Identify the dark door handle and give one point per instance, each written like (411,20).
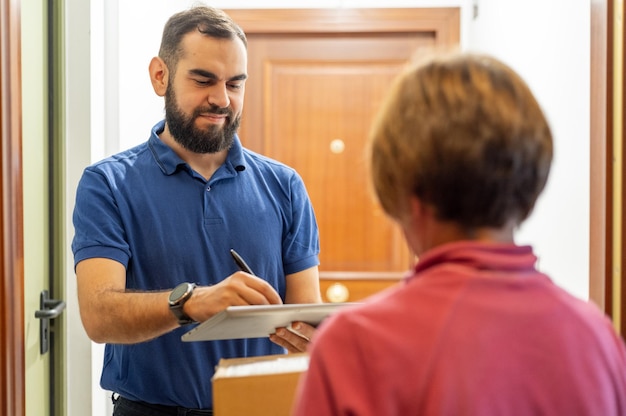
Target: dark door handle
(53,308)
(49,309)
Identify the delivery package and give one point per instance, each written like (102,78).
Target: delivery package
(259,386)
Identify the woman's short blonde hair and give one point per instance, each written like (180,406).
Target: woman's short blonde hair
(463,133)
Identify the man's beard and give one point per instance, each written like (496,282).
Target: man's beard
(212,140)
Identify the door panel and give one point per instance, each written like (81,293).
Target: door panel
(318,112)
(35,94)
(313,90)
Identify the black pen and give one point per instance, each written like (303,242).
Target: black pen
(241,262)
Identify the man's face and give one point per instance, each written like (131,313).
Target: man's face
(204,97)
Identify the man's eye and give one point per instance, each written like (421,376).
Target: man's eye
(235,86)
(204,82)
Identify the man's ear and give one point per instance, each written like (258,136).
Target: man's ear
(159,75)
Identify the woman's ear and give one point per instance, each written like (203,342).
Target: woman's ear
(416,224)
(159,75)
(418,210)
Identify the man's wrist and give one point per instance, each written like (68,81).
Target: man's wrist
(177,299)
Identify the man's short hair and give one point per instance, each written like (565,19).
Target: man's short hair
(209,21)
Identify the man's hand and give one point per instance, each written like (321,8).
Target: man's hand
(295,338)
(238,289)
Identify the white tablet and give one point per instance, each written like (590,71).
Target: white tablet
(256,321)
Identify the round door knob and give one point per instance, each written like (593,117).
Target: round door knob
(337,292)
(337,146)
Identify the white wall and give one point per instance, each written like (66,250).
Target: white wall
(547,42)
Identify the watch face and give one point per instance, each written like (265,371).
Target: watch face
(179,291)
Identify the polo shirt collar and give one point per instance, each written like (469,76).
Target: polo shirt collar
(169,161)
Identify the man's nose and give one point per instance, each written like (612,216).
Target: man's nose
(218,96)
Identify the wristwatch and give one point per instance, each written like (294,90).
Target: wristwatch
(178,297)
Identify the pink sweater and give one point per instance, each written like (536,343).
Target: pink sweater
(476,330)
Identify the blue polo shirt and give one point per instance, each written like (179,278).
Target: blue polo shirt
(147,209)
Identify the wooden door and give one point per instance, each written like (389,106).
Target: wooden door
(12,367)
(316,79)
(607,275)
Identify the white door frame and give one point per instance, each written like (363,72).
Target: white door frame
(77,155)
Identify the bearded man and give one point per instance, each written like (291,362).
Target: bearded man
(154,226)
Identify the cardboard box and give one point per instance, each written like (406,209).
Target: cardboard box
(259,386)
